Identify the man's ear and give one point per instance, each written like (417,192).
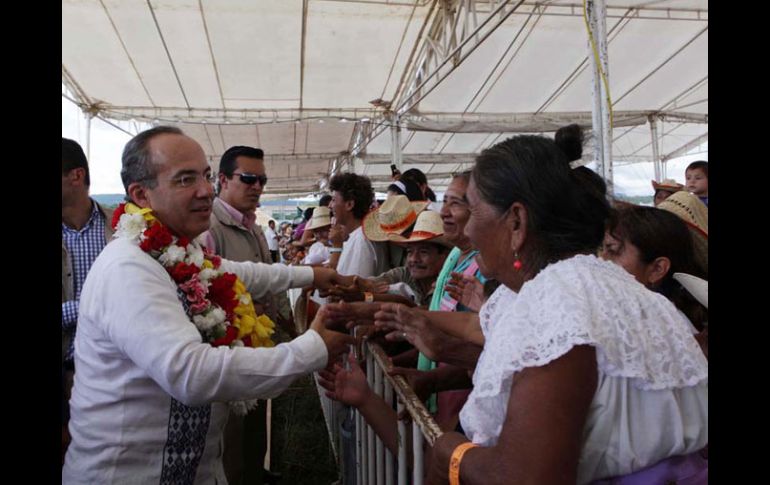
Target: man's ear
(222,180)
(77,176)
(139,194)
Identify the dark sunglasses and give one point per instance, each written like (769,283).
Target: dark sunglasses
(251,179)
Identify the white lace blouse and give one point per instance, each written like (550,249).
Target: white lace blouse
(651,400)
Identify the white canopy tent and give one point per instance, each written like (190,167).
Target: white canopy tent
(328,85)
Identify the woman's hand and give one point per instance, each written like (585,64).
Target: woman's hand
(346,386)
(467,290)
(410,324)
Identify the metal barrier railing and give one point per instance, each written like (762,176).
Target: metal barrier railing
(375,464)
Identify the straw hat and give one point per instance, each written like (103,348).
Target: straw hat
(394,216)
(669,185)
(698,287)
(428,228)
(691,210)
(321,217)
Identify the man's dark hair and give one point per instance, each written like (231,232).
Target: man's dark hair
(227,164)
(137,160)
(356,188)
(699,165)
(324,201)
(72,156)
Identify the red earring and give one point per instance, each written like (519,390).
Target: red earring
(516,264)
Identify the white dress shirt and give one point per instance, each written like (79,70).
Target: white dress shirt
(149,400)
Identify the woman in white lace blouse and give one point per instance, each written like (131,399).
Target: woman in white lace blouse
(585,375)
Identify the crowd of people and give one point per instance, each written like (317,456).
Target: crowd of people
(556,335)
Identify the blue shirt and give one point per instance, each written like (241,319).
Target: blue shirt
(83,247)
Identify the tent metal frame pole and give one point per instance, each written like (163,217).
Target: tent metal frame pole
(89,116)
(395,144)
(655,149)
(602,129)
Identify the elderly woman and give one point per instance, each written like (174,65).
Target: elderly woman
(585,375)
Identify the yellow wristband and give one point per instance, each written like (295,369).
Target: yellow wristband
(368,297)
(454,461)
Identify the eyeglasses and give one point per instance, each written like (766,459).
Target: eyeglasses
(192,179)
(252,178)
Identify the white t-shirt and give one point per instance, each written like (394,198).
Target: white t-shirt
(361,257)
(317,254)
(651,400)
(272,242)
(149,400)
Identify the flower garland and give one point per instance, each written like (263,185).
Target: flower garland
(221,308)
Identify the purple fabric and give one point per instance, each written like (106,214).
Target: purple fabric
(299,231)
(690,469)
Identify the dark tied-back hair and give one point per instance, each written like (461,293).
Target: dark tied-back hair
(72,157)
(659,233)
(356,188)
(412,191)
(227,164)
(570,139)
(418,177)
(565,211)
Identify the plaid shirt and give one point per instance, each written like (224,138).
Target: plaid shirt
(83,246)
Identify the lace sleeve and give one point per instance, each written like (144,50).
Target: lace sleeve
(638,334)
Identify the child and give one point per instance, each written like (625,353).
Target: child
(697,176)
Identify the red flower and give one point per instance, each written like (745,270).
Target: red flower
(116,215)
(183,242)
(230,335)
(183,271)
(247,341)
(209,254)
(157,237)
(221,292)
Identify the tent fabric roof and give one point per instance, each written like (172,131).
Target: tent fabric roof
(298,78)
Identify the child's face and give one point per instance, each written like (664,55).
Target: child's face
(697,182)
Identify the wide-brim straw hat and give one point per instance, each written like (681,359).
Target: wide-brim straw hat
(321,217)
(669,185)
(428,228)
(394,216)
(697,287)
(694,212)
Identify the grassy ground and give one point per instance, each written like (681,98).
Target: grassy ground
(300,448)
(300,442)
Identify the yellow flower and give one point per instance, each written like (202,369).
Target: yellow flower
(131,208)
(207,264)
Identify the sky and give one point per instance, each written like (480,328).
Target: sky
(107,144)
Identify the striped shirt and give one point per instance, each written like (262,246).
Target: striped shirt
(83,247)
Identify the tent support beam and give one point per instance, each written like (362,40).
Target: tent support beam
(655,149)
(602,123)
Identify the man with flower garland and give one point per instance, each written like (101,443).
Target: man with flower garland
(235,235)
(85,230)
(164,330)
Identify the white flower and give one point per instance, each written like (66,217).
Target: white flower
(194,255)
(130,226)
(237,343)
(204,323)
(218,315)
(207,273)
(173,254)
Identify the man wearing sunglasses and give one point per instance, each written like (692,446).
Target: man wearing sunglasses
(235,235)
